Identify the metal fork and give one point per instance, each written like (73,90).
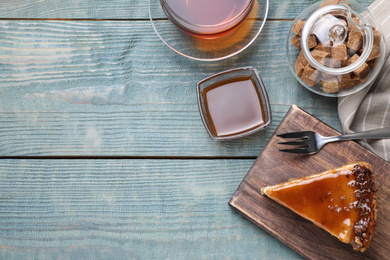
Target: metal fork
(310,142)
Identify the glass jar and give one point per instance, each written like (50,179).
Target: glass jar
(335,48)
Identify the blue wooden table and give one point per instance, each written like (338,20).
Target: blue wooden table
(102,150)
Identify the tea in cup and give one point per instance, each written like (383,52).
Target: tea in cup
(205,18)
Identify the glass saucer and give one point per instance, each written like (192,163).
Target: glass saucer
(211,48)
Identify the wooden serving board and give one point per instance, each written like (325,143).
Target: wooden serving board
(272,167)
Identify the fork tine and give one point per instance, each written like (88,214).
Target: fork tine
(294,134)
(304,142)
(296,151)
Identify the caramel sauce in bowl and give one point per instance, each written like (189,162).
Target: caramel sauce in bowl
(233,104)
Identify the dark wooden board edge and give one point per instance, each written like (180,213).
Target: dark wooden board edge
(337,247)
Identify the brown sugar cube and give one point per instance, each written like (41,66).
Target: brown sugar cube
(356,79)
(339,52)
(352,52)
(371,64)
(296,41)
(299,68)
(345,81)
(352,59)
(354,40)
(375,53)
(312,42)
(362,71)
(330,85)
(303,60)
(377,37)
(334,63)
(320,56)
(322,47)
(310,76)
(325,76)
(356,20)
(297,28)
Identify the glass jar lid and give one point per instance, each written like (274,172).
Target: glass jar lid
(343,30)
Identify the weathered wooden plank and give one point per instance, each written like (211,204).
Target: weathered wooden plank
(133,209)
(113,88)
(168,131)
(121,9)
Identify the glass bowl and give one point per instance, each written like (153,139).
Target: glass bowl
(335,50)
(233,104)
(182,36)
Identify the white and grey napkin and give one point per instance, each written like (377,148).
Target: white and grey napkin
(370,108)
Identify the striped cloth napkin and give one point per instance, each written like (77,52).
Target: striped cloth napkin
(370,108)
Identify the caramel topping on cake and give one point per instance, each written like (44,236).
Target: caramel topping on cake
(342,201)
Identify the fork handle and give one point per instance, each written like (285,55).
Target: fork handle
(381,133)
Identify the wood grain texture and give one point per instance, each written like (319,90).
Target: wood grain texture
(127,209)
(112,88)
(120,9)
(272,167)
(103,86)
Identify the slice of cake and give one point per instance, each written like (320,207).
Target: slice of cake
(342,201)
